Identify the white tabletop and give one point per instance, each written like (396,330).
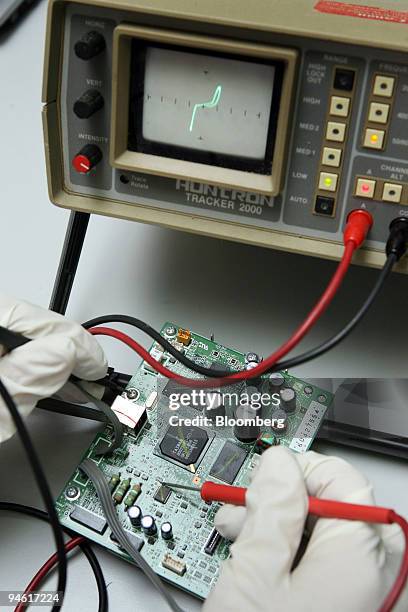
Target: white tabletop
(250,298)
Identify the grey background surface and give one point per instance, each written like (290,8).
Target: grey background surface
(250,298)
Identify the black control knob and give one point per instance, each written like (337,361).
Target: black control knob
(87,158)
(89,103)
(90,45)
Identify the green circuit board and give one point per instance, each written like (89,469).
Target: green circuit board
(151,454)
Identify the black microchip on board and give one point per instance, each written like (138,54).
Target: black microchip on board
(162,494)
(135,540)
(228,462)
(174,387)
(88,519)
(184,444)
(220,367)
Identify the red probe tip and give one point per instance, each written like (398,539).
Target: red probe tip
(358,225)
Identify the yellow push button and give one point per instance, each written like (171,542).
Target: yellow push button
(384,86)
(365,188)
(374,139)
(328,181)
(392,192)
(339,106)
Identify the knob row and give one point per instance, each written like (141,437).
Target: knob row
(89,46)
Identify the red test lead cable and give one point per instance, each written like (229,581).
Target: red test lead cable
(43,572)
(324,508)
(358,224)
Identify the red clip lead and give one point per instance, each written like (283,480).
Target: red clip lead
(359,223)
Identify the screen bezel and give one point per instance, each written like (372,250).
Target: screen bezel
(146,163)
(137,142)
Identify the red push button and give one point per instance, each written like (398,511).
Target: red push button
(87,158)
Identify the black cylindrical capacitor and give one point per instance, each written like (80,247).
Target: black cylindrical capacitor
(135,515)
(257,380)
(251,390)
(276,381)
(166,531)
(279,421)
(254,399)
(214,405)
(248,431)
(252,357)
(288,399)
(149,525)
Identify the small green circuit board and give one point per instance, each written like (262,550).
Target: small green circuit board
(191,558)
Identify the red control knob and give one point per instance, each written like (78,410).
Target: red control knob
(87,158)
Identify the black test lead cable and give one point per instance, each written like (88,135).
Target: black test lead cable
(44,488)
(85,546)
(341,335)
(395,249)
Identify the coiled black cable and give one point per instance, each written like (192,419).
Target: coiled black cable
(85,547)
(44,488)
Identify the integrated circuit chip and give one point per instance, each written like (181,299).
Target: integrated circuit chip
(219,367)
(228,462)
(137,542)
(88,519)
(173,387)
(184,444)
(162,494)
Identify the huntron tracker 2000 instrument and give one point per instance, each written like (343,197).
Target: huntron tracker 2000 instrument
(251,121)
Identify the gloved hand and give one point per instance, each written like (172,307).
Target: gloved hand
(41,367)
(347,565)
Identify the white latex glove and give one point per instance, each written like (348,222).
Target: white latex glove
(347,565)
(41,367)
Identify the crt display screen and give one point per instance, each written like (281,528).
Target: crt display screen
(203,107)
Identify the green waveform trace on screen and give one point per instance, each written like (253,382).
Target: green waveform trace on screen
(210,104)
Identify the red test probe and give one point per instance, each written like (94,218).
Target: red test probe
(323,508)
